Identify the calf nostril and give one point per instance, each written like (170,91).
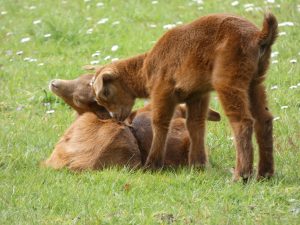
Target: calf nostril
(53,84)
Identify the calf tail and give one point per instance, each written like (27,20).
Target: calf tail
(266,38)
(269,31)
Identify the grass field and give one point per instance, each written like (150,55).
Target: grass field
(42,40)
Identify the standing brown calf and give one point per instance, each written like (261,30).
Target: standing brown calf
(218,52)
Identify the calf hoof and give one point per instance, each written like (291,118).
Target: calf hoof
(198,162)
(153,164)
(264,176)
(241,176)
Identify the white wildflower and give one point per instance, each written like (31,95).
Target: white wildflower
(100,4)
(248,5)
(274,61)
(154,2)
(50,111)
(94,62)
(19,108)
(97,53)
(270,1)
(26,39)
(35,22)
(3,13)
(27,59)
(169,26)
(198,1)
(258,9)
(274,54)
(179,22)
(249,9)
(293,87)
(274,87)
(152,25)
(47,35)
(33,7)
(276,118)
(32,60)
(293,61)
(89,31)
(116,23)
(102,21)
(19,53)
(114,48)
(286,24)
(282,33)
(114,59)
(40,64)
(284,107)
(107,57)
(235,3)
(88,18)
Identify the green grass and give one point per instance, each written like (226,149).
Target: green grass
(30,195)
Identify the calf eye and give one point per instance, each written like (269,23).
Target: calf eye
(106,92)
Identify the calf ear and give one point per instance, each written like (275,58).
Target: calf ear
(131,117)
(213,115)
(101,85)
(91,67)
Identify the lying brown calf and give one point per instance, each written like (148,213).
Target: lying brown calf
(178,141)
(90,142)
(220,52)
(79,95)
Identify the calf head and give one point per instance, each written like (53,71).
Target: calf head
(79,94)
(112,93)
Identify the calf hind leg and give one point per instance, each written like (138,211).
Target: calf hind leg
(263,131)
(235,103)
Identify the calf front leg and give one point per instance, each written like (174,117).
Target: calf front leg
(196,117)
(163,106)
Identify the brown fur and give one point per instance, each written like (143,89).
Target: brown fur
(87,144)
(92,143)
(218,52)
(79,94)
(178,142)
(179,112)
